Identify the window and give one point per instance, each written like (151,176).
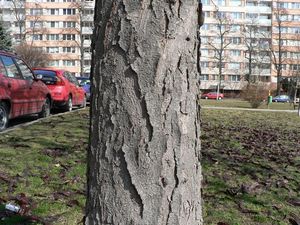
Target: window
(87,50)
(68,62)
(11,68)
(53,11)
(88,12)
(235,3)
(87,24)
(204,64)
(87,62)
(205,27)
(234,78)
(204,77)
(26,72)
(206,2)
(52,37)
(54,63)
(236,15)
(220,2)
(37,37)
(69,11)
(68,37)
(68,49)
(235,28)
(2,69)
(19,23)
(251,3)
(36,12)
(53,24)
(36,24)
(295,67)
(251,15)
(235,53)
(52,50)
(236,40)
(234,66)
(69,24)
(87,37)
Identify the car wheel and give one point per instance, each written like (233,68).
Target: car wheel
(69,105)
(206,97)
(46,109)
(3,116)
(220,98)
(83,105)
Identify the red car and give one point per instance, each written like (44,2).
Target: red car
(21,93)
(64,88)
(212,95)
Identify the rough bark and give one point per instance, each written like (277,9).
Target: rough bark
(143,157)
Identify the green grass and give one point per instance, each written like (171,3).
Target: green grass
(250,166)
(46,162)
(236,103)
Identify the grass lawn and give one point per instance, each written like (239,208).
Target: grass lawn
(236,103)
(250,165)
(43,168)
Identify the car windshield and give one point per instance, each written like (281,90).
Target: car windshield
(83,81)
(45,73)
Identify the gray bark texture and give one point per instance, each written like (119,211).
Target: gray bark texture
(144,151)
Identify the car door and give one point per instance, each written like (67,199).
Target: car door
(17,87)
(79,90)
(72,87)
(35,96)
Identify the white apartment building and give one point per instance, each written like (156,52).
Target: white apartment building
(62,28)
(267,43)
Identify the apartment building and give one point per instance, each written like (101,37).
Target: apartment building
(62,28)
(251,42)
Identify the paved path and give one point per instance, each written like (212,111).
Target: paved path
(249,109)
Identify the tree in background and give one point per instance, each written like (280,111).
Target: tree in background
(34,56)
(18,8)
(220,42)
(257,53)
(278,49)
(144,149)
(82,18)
(5,39)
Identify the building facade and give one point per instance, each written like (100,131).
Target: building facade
(258,41)
(62,28)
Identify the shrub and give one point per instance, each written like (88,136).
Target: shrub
(255,93)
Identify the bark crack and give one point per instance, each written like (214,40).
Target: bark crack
(129,183)
(167,22)
(175,186)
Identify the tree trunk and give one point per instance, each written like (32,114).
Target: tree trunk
(143,157)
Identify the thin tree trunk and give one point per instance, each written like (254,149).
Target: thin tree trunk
(143,157)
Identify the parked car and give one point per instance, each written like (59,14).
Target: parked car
(21,92)
(281,98)
(64,88)
(86,85)
(212,95)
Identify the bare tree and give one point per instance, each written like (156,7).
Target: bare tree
(278,48)
(81,6)
(143,157)
(18,8)
(257,54)
(220,42)
(34,56)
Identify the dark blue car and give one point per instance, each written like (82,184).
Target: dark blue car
(281,98)
(85,83)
